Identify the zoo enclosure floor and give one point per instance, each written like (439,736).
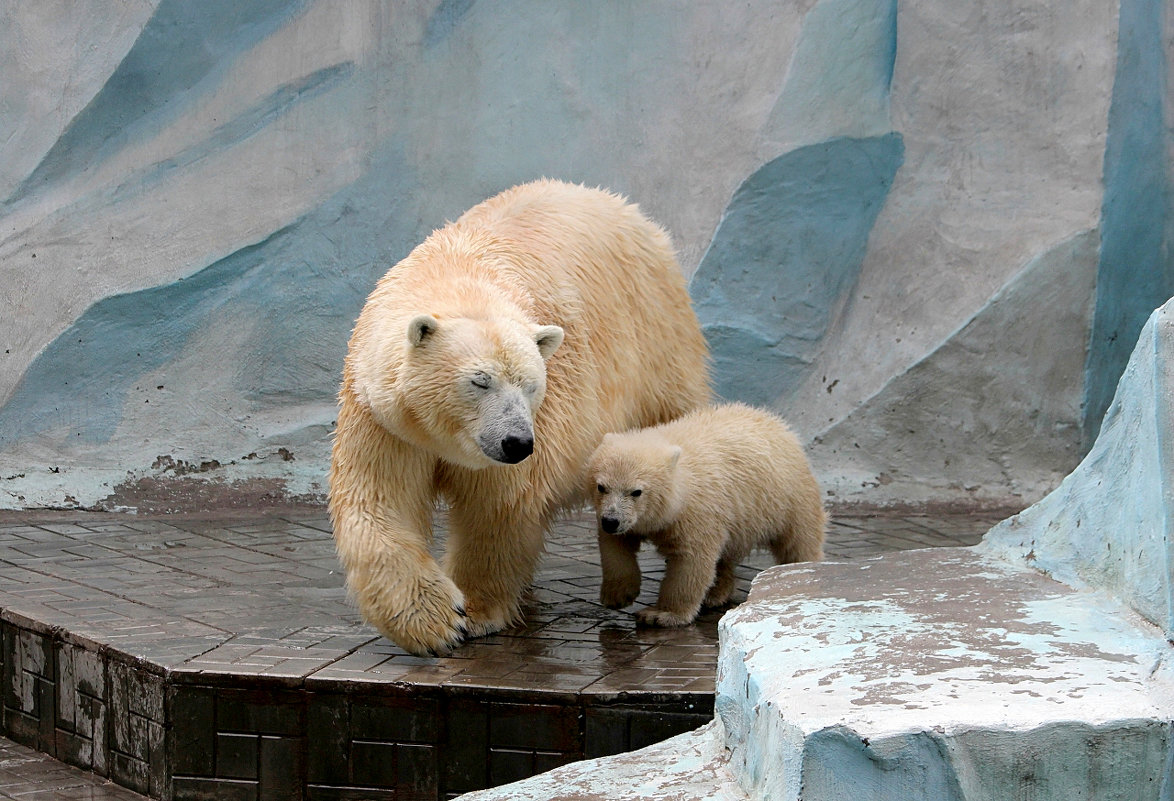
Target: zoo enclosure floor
(217,656)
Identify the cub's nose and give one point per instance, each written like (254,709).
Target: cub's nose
(609,524)
(514,448)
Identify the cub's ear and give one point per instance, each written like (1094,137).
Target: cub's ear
(547,338)
(674,456)
(420,328)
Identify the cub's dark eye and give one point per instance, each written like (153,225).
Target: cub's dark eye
(636,493)
(602,489)
(480,380)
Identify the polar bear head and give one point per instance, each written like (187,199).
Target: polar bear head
(463,388)
(633,482)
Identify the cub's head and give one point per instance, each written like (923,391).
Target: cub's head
(465,389)
(631,480)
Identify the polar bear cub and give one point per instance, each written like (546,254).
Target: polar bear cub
(706,489)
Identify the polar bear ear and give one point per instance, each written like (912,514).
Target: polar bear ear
(421,327)
(547,338)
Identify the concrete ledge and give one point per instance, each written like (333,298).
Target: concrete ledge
(942,675)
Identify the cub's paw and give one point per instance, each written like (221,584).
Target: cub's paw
(652,616)
(717,597)
(616,594)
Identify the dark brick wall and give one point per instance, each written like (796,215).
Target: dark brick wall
(85,708)
(29,698)
(404,745)
(82,709)
(250,738)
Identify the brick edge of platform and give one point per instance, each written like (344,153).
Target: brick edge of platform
(176,735)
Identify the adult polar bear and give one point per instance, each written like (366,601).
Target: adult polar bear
(483,370)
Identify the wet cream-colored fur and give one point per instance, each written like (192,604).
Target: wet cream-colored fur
(705,490)
(550,311)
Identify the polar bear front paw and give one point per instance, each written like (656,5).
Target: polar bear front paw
(433,622)
(718,596)
(659,617)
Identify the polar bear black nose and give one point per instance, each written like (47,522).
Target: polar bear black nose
(609,524)
(514,449)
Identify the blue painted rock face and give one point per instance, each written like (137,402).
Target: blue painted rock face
(1136,270)
(785,256)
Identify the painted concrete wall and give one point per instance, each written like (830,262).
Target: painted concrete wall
(927,233)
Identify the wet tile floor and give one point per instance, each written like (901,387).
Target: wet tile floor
(30,775)
(260,594)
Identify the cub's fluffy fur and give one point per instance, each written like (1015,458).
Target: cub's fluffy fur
(706,489)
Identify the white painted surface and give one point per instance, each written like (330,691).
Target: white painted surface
(852,658)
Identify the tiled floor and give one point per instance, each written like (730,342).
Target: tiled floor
(181,614)
(28,775)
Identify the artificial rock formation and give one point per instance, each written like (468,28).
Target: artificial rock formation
(887,210)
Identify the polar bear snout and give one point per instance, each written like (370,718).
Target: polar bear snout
(510,446)
(610,525)
(515,448)
(508,436)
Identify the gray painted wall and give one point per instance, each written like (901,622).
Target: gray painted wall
(927,233)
